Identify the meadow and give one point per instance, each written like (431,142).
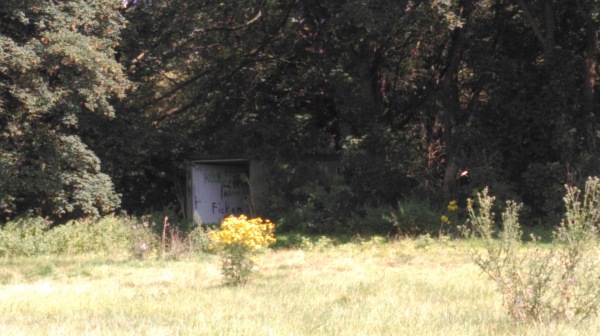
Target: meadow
(410,286)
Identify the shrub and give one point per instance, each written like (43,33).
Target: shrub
(24,237)
(162,234)
(415,218)
(139,237)
(368,220)
(143,241)
(199,240)
(424,241)
(237,241)
(542,190)
(311,243)
(109,234)
(316,209)
(542,284)
(36,236)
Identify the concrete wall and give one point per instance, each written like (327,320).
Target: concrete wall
(216,188)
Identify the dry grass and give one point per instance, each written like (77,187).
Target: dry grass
(351,289)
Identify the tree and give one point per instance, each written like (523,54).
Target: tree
(57,63)
(203,76)
(408,93)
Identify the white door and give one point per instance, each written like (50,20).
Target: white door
(219,191)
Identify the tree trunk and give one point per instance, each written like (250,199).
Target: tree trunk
(548,42)
(547,38)
(589,70)
(452,112)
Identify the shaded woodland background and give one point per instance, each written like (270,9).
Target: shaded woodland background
(101,103)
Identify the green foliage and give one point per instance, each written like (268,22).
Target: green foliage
(318,209)
(490,176)
(375,167)
(560,282)
(109,235)
(424,241)
(320,243)
(543,190)
(199,240)
(57,62)
(407,93)
(24,237)
(35,236)
(162,234)
(143,241)
(413,217)
(372,220)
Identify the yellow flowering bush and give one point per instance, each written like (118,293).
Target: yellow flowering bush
(238,240)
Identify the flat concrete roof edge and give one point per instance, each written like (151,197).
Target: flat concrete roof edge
(218,160)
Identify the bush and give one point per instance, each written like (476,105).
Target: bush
(109,235)
(24,237)
(238,240)
(542,284)
(199,240)
(542,190)
(368,220)
(140,237)
(415,218)
(143,241)
(316,209)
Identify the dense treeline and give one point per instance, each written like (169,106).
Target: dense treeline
(101,101)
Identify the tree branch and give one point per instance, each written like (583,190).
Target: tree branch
(238,27)
(531,21)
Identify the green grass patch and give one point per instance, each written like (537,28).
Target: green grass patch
(365,287)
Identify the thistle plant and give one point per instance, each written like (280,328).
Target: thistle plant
(238,242)
(579,257)
(560,282)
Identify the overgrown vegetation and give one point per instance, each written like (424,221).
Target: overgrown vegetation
(111,235)
(542,283)
(414,218)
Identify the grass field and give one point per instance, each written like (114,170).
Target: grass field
(405,287)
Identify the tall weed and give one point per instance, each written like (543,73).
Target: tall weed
(559,282)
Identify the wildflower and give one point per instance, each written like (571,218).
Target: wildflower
(445,219)
(452,206)
(239,238)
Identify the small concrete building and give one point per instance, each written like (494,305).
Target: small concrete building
(223,185)
(219,186)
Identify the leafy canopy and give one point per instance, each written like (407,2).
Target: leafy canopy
(57,62)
